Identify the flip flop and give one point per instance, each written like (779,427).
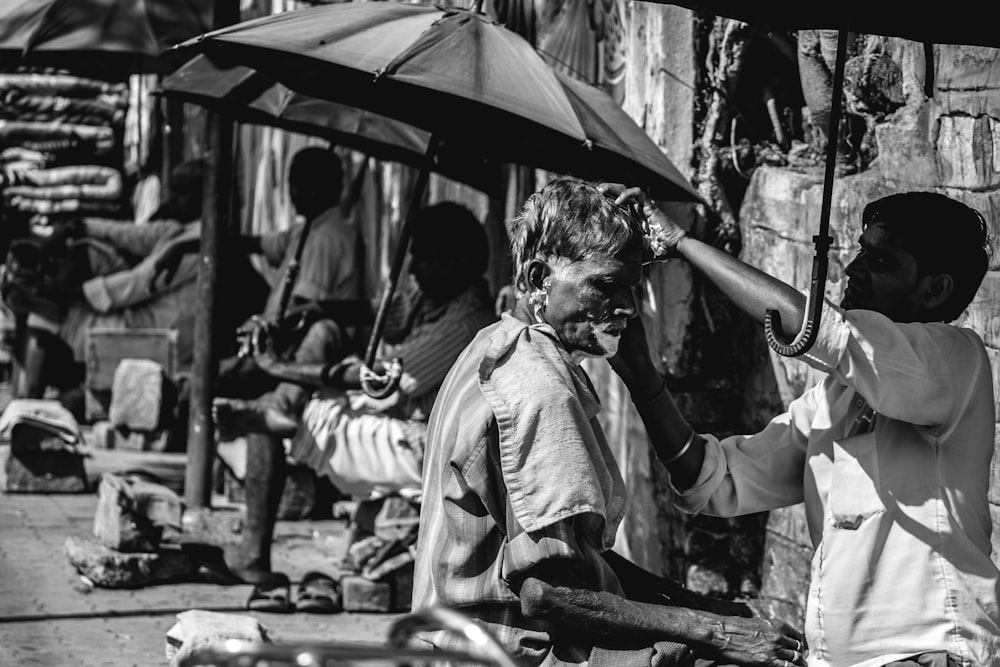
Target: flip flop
(318,594)
(272,596)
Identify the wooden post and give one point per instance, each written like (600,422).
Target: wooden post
(215,222)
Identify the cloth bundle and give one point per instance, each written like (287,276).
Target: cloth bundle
(52,127)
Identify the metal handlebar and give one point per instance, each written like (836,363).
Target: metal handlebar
(484,645)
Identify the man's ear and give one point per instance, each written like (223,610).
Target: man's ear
(538,271)
(938,291)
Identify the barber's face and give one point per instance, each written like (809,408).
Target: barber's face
(884,278)
(590,302)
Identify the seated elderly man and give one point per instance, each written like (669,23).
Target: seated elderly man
(108,276)
(522,494)
(373,448)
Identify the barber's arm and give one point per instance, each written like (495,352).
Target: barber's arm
(752,290)
(546,593)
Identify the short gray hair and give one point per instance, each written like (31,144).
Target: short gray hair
(572,220)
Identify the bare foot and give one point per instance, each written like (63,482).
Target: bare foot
(235,417)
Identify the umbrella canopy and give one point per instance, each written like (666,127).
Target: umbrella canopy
(458,74)
(956,23)
(130,29)
(250,97)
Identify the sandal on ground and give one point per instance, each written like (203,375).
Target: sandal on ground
(272,595)
(318,594)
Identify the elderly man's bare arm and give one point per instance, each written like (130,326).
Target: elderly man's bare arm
(546,594)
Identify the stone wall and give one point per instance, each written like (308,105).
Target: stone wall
(948,144)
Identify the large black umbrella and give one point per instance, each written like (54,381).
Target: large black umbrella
(250,97)
(134,31)
(460,75)
(955,24)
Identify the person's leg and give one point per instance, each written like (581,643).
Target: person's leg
(324,343)
(263,483)
(277,412)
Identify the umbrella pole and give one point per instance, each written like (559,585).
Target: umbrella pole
(814,303)
(381,386)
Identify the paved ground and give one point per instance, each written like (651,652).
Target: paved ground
(49,617)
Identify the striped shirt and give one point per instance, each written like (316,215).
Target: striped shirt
(472,541)
(374,446)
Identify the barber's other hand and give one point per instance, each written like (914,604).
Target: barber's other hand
(662,233)
(633,363)
(756,642)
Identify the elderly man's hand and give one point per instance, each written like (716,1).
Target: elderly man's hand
(662,233)
(756,642)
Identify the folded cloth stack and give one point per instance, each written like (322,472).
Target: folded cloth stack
(59,132)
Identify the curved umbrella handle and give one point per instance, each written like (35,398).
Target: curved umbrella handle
(814,308)
(441,618)
(381,386)
(804,340)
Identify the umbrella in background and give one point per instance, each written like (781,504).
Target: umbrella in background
(137,30)
(460,75)
(249,97)
(895,18)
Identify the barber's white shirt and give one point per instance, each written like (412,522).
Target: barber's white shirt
(899,516)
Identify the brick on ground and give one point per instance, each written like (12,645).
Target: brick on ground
(141,395)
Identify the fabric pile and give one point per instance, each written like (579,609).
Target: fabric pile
(60,144)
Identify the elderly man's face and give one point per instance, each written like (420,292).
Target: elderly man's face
(590,302)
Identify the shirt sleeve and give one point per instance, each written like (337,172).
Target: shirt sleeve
(746,474)
(274,244)
(327,267)
(918,373)
(136,240)
(430,351)
(524,550)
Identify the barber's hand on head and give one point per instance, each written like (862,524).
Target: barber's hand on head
(756,642)
(662,233)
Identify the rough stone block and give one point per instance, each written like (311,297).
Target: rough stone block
(112,569)
(197,629)
(141,395)
(705,581)
(217,526)
(968,148)
(362,594)
(47,471)
(118,523)
(906,152)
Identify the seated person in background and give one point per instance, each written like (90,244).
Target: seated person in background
(109,279)
(522,496)
(374,448)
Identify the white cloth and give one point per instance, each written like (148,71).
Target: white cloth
(899,516)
